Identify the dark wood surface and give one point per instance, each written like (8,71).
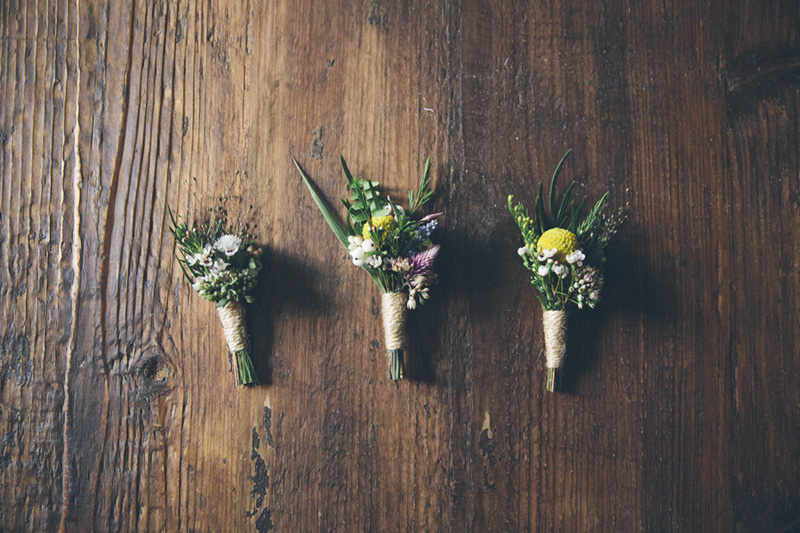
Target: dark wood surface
(681,405)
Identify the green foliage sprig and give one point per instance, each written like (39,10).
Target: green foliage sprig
(573,274)
(398,236)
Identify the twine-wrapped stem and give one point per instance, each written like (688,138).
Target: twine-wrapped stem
(555,345)
(393,310)
(234,326)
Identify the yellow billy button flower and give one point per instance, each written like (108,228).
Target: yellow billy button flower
(563,241)
(386,223)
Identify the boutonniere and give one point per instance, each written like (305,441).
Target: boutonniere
(393,245)
(565,251)
(222,266)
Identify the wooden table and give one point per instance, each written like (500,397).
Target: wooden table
(681,403)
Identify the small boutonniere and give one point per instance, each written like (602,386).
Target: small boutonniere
(393,245)
(223,267)
(565,251)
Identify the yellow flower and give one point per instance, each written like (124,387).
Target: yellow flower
(563,241)
(386,223)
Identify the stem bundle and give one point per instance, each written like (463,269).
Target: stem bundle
(232,315)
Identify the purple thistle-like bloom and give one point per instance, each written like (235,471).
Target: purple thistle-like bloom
(422,262)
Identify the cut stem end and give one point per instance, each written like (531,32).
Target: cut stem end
(553,381)
(396,369)
(244,371)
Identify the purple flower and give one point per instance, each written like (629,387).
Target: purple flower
(422,262)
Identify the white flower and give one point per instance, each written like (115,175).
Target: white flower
(358,254)
(547,254)
(375,261)
(358,262)
(203,258)
(219,266)
(199,280)
(593,295)
(559,270)
(412,303)
(369,245)
(543,270)
(576,257)
(522,252)
(193,259)
(228,244)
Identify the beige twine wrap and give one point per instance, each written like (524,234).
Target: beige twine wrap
(234,326)
(555,337)
(393,309)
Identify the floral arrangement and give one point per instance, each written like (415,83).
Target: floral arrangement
(392,245)
(222,267)
(566,254)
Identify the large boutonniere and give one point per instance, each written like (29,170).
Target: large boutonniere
(223,267)
(393,245)
(565,251)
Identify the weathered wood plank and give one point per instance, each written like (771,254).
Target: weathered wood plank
(117,408)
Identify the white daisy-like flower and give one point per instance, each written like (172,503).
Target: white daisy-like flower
(193,259)
(576,257)
(559,269)
(369,245)
(543,270)
(228,244)
(206,260)
(375,261)
(219,265)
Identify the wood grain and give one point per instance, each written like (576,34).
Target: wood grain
(680,408)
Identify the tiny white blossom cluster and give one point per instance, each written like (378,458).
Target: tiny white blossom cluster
(548,263)
(581,283)
(586,285)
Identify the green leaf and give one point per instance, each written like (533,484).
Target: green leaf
(423,194)
(371,194)
(553,183)
(346,170)
(222,303)
(330,218)
(562,210)
(576,214)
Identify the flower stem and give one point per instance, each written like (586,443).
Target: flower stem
(244,371)
(396,369)
(553,381)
